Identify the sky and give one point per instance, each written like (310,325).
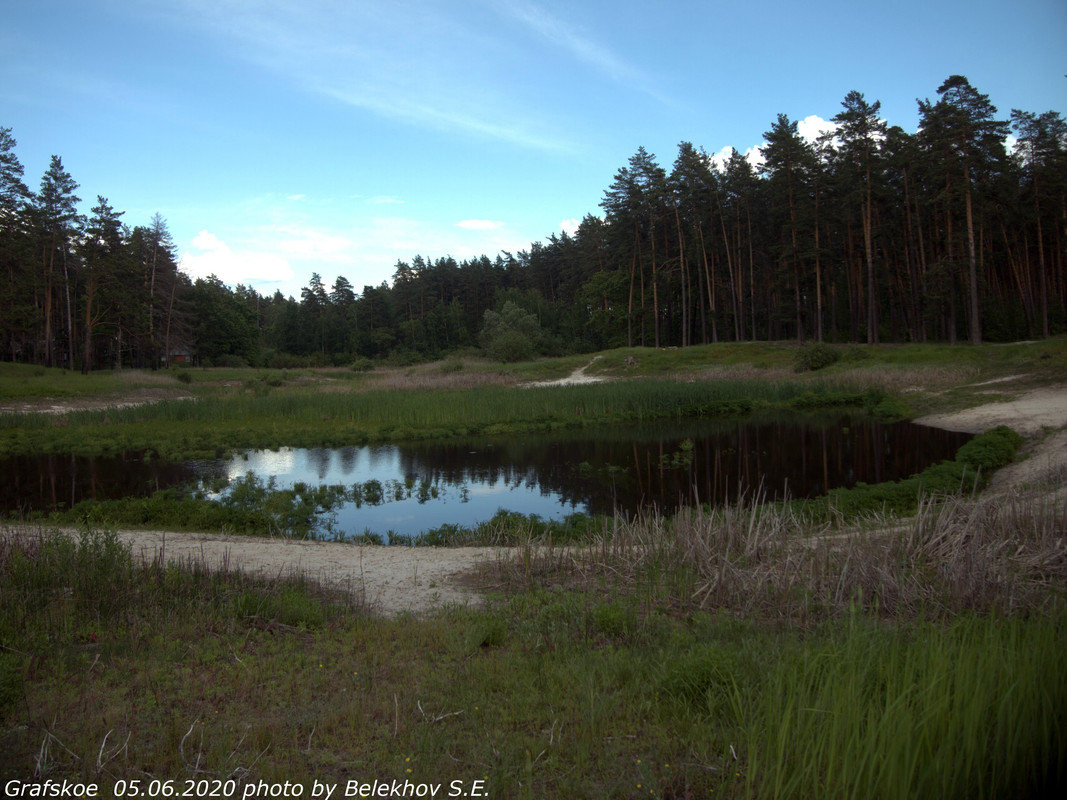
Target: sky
(278,138)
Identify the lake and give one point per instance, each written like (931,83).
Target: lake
(411,487)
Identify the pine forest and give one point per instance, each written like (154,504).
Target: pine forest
(869,234)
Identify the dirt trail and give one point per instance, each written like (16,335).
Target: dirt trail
(576,378)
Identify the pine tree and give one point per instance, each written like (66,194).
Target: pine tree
(962,131)
(56,211)
(861,132)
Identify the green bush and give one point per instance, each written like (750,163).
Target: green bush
(510,335)
(992,450)
(891,409)
(510,346)
(361,364)
(812,357)
(971,469)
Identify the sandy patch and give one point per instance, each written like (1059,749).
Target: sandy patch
(387,578)
(1041,416)
(576,378)
(48,405)
(1030,414)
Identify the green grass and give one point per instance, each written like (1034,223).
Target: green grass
(237,409)
(302,418)
(970,709)
(113,670)
(28,382)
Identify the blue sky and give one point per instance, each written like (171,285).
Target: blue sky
(284,137)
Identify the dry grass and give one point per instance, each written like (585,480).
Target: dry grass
(1002,554)
(740,372)
(906,379)
(440,375)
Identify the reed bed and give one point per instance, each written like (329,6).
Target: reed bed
(259,419)
(974,709)
(761,560)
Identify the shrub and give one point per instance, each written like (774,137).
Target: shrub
(512,334)
(362,364)
(814,357)
(991,450)
(510,346)
(891,409)
(184,376)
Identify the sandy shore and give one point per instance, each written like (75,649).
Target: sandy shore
(1040,415)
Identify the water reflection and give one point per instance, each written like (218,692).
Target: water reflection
(41,483)
(424,485)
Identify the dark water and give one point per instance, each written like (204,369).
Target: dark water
(424,485)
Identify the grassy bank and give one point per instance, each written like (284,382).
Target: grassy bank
(112,670)
(302,418)
(224,410)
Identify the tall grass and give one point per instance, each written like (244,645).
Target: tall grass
(296,418)
(971,710)
(955,555)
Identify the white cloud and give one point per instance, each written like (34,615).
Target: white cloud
(295,197)
(813,126)
(570,226)
(232,267)
(753,155)
(399,63)
(479,224)
(385,200)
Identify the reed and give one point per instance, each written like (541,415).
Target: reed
(221,423)
(761,560)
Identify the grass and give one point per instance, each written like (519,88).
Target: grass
(116,670)
(301,418)
(242,409)
(921,710)
(750,651)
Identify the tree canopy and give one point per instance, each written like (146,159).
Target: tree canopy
(868,233)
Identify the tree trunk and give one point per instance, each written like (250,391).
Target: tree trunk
(975,325)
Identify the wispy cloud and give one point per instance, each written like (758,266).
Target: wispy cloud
(423,63)
(581,46)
